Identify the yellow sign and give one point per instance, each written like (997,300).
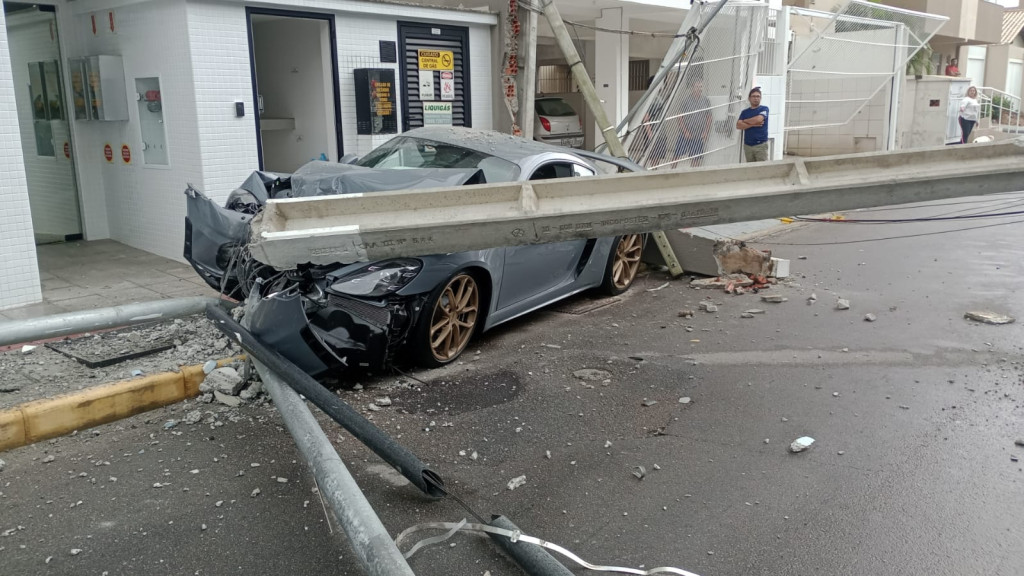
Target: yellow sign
(436,59)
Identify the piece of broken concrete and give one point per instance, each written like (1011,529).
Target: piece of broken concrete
(987,317)
(648,403)
(384,401)
(516,482)
(224,380)
(746,315)
(800,444)
(842,304)
(639,472)
(735,257)
(684,400)
(592,374)
(774,298)
(869,317)
(28,348)
(227,399)
(686,313)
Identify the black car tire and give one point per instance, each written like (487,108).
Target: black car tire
(623,263)
(448,321)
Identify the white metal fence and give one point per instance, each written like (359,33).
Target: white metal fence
(841,60)
(689,119)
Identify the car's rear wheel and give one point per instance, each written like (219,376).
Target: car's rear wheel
(623,264)
(449,321)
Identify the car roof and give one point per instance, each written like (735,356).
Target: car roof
(505,146)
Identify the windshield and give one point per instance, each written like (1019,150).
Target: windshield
(554,107)
(405,152)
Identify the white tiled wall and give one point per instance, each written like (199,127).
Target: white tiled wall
(200,51)
(145,206)
(52,192)
(219,46)
(19,273)
(358,47)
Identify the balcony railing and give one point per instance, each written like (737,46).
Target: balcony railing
(1002,108)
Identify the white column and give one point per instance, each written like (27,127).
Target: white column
(19,270)
(611,64)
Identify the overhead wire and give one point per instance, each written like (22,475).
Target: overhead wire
(529,6)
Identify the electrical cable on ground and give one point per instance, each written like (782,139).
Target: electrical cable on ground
(908,220)
(840,242)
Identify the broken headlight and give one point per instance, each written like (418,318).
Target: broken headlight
(378,279)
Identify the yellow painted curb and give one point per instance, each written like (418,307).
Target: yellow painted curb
(43,419)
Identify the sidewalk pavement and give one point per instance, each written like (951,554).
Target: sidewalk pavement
(102,273)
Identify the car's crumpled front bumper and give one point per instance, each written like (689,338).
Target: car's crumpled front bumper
(333,332)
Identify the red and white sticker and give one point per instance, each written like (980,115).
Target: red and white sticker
(108,152)
(67,149)
(447,85)
(126,154)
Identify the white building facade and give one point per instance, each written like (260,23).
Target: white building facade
(99,148)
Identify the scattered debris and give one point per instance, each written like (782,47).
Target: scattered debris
(648,403)
(686,313)
(209,366)
(722,282)
(746,315)
(373,407)
(755,311)
(592,374)
(516,482)
(170,424)
(774,298)
(48,459)
(904,406)
(1018,442)
(1014,458)
(607,443)
(255,493)
(662,287)
(812,298)
(639,472)
(76,551)
(2,464)
(801,257)
(869,317)
(842,304)
(989,317)
(684,400)
(801,444)
(385,401)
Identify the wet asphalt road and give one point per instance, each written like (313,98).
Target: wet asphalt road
(914,416)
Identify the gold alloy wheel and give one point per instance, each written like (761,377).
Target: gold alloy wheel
(627,260)
(454,317)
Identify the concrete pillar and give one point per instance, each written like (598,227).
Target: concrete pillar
(19,270)
(611,63)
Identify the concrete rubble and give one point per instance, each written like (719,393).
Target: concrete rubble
(516,482)
(987,317)
(801,444)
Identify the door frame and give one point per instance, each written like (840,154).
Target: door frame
(335,79)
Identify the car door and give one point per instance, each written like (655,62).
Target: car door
(538,273)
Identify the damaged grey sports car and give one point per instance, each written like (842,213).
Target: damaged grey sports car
(425,309)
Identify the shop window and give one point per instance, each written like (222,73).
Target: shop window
(45,93)
(151,121)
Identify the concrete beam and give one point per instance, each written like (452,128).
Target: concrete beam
(368,227)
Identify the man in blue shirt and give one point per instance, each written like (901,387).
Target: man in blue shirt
(754,123)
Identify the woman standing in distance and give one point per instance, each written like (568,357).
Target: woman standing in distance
(970,110)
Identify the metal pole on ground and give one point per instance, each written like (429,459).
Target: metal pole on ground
(377,553)
(18,331)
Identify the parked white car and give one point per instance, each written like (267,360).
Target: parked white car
(555,122)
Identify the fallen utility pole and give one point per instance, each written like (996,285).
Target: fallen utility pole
(404,461)
(369,227)
(19,331)
(608,131)
(373,546)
